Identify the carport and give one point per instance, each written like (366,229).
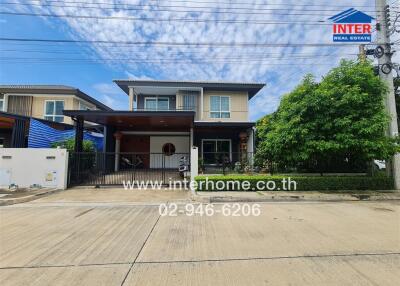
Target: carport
(140,145)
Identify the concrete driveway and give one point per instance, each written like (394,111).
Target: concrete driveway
(59,240)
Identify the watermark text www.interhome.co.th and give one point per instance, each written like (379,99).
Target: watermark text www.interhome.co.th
(286,184)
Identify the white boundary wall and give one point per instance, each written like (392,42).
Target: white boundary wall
(25,167)
(194,162)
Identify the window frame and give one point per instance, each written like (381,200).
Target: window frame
(53,116)
(191,97)
(216,146)
(83,104)
(220,111)
(3,100)
(170,152)
(157,98)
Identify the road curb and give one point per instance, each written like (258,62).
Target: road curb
(13,201)
(294,198)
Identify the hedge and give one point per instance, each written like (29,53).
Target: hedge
(303,183)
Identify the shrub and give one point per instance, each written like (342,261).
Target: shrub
(303,183)
(69,144)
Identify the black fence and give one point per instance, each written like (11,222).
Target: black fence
(227,162)
(108,168)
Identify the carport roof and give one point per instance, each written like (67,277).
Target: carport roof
(137,120)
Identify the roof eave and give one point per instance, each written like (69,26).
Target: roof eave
(251,88)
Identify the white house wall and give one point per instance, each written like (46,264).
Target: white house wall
(181,144)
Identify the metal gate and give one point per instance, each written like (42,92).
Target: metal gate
(109,168)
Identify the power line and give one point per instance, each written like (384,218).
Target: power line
(253,7)
(211,2)
(184,11)
(272,11)
(187,20)
(130,46)
(165,62)
(154,43)
(211,59)
(252,55)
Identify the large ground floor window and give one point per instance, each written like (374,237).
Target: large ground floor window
(214,151)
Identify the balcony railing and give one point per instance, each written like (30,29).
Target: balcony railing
(164,109)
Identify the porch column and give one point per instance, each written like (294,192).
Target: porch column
(194,166)
(251,144)
(118,136)
(79,134)
(191,137)
(18,134)
(132,99)
(108,147)
(201,103)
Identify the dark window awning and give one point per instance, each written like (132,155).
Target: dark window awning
(223,125)
(138,120)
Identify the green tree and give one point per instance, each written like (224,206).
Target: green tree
(335,125)
(69,144)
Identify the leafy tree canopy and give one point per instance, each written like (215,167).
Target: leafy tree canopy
(340,121)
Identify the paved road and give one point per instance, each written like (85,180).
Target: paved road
(54,241)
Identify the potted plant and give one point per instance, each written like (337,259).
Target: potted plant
(201,165)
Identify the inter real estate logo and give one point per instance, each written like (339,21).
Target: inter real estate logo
(352,26)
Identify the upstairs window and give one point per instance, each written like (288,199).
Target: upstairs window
(2,105)
(83,106)
(156,103)
(220,107)
(53,110)
(189,102)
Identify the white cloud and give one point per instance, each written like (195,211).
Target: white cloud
(112,95)
(141,77)
(278,67)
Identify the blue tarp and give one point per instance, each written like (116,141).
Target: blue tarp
(42,136)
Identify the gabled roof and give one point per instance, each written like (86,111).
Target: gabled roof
(36,86)
(351,16)
(251,87)
(51,89)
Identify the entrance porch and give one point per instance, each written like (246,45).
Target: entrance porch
(224,145)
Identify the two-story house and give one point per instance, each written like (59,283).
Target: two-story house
(19,103)
(166,118)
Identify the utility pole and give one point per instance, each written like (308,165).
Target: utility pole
(383,39)
(362,56)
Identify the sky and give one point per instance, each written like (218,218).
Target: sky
(165,34)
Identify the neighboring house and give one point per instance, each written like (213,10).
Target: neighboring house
(166,118)
(46,101)
(18,103)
